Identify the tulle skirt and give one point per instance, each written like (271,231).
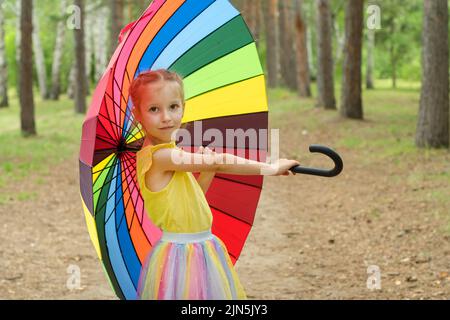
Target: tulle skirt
(189,266)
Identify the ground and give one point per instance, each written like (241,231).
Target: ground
(313,237)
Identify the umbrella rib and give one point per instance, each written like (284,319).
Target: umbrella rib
(105,139)
(132,203)
(107,181)
(236,181)
(107,166)
(112,138)
(125,131)
(134,187)
(130,198)
(114,145)
(116,137)
(230,215)
(129,118)
(116,203)
(121,197)
(134,136)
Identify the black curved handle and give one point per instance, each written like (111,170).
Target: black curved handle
(338,164)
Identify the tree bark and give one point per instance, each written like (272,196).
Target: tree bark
(325,81)
(71,82)
(3,62)
(370,58)
(303,77)
(340,39)
(257,14)
(251,10)
(100,45)
(58,53)
(117,9)
(89,41)
(80,67)
(26,69)
(433,121)
(351,102)
(39,57)
(272,56)
(393,56)
(285,43)
(18,43)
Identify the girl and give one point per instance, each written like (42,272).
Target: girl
(188,262)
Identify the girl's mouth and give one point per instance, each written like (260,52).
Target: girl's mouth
(166,128)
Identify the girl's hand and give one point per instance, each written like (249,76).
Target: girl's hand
(208,152)
(282,167)
(205,150)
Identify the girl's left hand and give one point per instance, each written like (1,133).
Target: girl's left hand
(205,150)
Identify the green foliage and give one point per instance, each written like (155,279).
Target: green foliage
(398,42)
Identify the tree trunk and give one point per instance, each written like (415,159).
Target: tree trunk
(100,46)
(351,103)
(285,42)
(58,53)
(370,58)
(252,13)
(26,69)
(3,62)
(71,82)
(340,38)
(80,68)
(18,43)
(325,81)
(272,60)
(88,41)
(247,13)
(303,79)
(39,57)
(309,48)
(257,14)
(116,23)
(433,122)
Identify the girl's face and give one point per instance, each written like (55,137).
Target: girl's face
(160,111)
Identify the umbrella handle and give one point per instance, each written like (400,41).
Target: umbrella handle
(338,164)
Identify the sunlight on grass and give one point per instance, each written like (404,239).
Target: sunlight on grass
(59,132)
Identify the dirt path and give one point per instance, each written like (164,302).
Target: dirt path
(313,238)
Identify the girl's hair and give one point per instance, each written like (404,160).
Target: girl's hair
(152,76)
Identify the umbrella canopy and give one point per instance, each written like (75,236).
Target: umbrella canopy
(208,43)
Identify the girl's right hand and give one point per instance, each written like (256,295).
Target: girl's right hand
(282,167)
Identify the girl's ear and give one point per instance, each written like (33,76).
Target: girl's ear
(136,114)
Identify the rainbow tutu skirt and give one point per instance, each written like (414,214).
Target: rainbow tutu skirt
(189,266)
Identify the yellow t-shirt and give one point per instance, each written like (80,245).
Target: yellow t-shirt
(181,205)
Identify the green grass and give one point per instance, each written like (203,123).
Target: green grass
(385,136)
(58,137)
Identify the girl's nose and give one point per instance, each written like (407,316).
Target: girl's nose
(165,116)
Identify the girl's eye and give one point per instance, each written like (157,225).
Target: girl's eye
(153,109)
(174,106)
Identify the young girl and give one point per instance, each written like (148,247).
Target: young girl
(188,262)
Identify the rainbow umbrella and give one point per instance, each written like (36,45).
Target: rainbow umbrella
(208,43)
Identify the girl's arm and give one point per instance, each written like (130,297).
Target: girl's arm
(205,179)
(180,160)
(232,164)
